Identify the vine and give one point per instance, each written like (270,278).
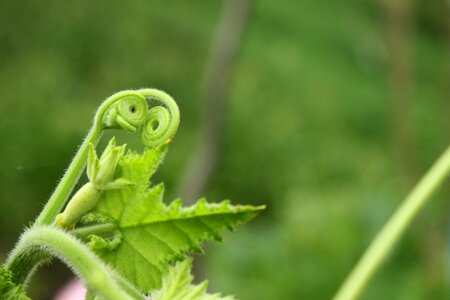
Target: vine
(117,208)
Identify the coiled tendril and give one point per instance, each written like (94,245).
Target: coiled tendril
(126,110)
(150,112)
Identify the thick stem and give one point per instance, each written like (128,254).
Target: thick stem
(391,232)
(96,275)
(70,178)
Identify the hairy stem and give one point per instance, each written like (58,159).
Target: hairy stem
(96,275)
(70,178)
(393,229)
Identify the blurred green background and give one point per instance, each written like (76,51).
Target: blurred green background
(333,110)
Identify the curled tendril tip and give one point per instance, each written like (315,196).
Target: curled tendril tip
(150,113)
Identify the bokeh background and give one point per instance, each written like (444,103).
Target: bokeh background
(327,111)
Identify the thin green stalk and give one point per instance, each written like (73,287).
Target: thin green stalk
(98,229)
(70,178)
(393,229)
(96,275)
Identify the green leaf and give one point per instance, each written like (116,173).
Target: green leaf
(8,289)
(154,234)
(177,285)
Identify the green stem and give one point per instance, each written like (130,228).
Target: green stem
(99,229)
(70,178)
(393,229)
(96,275)
(127,287)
